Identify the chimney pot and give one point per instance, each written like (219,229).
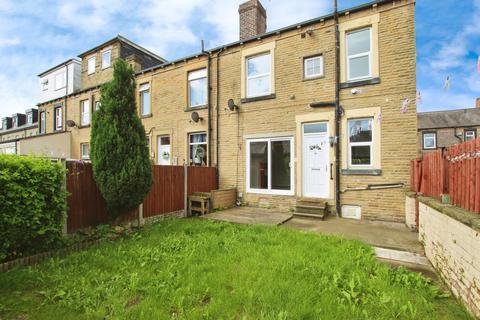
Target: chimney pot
(253,19)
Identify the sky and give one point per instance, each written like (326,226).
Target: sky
(36,35)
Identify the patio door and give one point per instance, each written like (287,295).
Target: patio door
(315,155)
(163,150)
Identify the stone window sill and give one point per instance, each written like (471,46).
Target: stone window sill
(372,81)
(260,98)
(189,109)
(146,116)
(361,172)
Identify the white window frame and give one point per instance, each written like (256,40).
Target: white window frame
(104,65)
(43,121)
(313,76)
(29,118)
(196,75)
(82,154)
(266,93)
(145,87)
(62,83)
(269,190)
(359,55)
(85,112)
(424,135)
(45,84)
(471,133)
(58,118)
(371,144)
(197,143)
(91,71)
(14,122)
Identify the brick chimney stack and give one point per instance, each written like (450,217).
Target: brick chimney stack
(477,104)
(253,19)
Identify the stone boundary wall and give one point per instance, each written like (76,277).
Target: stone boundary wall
(451,238)
(411,211)
(223,198)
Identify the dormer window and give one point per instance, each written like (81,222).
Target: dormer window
(106,59)
(45,84)
(60,81)
(29,118)
(14,122)
(91,65)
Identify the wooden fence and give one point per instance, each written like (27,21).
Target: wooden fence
(454,171)
(86,206)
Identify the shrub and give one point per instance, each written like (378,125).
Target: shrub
(32,205)
(119,150)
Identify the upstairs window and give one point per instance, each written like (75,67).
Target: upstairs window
(29,118)
(359,54)
(60,81)
(85,112)
(430,140)
(14,122)
(42,122)
(91,65)
(197,88)
(360,142)
(45,84)
(313,67)
(106,59)
(58,121)
(469,135)
(259,75)
(145,99)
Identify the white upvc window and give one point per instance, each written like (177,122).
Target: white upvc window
(58,118)
(469,135)
(313,67)
(360,143)
(91,65)
(29,118)
(14,122)
(43,122)
(359,54)
(85,112)
(197,88)
(60,81)
(430,140)
(106,59)
(270,166)
(85,151)
(258,75)
(45,84)
(198,149)
(145,99)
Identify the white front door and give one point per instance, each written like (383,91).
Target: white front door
(316,164)
(163,150)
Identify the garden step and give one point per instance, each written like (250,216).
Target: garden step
(309,215)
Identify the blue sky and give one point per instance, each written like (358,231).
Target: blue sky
(38,34)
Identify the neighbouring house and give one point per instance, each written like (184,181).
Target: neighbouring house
(15,128)
(441,129)
(263,109)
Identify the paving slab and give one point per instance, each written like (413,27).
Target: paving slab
(250,215)
(378,234)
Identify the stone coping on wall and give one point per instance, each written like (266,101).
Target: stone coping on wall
(468,218)
(411,194)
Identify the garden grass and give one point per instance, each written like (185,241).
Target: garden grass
(200,269)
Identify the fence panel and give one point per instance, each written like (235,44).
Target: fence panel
(456,171)
(201,179)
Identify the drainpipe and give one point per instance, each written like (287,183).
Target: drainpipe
(217,116)
(209,122)
(337,110)
(64,125)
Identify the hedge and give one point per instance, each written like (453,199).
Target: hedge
(32,205)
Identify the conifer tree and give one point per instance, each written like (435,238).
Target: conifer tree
(119,151)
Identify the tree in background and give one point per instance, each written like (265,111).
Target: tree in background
(119,151)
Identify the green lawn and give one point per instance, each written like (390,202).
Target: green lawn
(198,269)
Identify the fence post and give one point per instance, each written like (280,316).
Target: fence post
(141,221)
(185,193)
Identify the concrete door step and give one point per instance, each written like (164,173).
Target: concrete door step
(401,256)
(309,215)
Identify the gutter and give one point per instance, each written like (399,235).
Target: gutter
(337,110)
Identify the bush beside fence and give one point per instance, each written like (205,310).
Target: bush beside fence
(32,205)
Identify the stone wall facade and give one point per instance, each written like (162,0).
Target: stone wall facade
(453,248)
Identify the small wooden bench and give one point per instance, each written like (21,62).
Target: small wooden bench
(198,203)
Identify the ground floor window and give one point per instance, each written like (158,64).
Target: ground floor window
(197,149)
(470,135)
(430,140)
(85,151)
(360,142)
(269,165)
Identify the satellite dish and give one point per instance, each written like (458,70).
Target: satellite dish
(196,117)
(231,105)
(71,123)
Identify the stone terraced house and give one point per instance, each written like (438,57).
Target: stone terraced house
(265,110)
